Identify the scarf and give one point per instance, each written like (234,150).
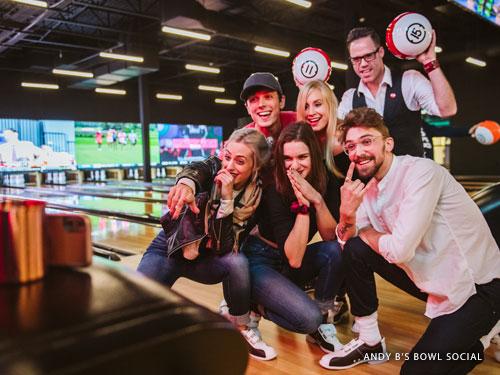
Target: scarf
(245,205)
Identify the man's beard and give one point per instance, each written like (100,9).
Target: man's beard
(371,173)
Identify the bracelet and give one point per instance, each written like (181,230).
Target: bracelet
(297,208)
(431,65)
(339,240)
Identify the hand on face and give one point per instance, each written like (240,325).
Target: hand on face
(225,181)
(178,196)
(300,184)
(352,193)
(430,53)
(300,197)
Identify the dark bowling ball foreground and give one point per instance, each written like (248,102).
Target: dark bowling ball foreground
(104,319)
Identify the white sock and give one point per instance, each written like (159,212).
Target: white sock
(486,339)
(368,329)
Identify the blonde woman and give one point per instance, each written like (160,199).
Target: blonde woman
(317,105)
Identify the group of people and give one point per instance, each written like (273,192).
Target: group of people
(377,205)
(112,136)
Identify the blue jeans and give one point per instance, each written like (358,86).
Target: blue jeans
(277,288)
(207,268)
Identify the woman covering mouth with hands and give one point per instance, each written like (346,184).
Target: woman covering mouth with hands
(301,202)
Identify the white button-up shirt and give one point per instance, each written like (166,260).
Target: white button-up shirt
(433,230)
(416,89)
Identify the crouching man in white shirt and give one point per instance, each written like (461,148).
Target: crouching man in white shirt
(410,221)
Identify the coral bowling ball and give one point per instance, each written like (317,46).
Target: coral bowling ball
(488,132)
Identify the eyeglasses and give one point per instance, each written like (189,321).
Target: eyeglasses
(368,57)
(366,142)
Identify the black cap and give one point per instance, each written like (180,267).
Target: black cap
(261,79)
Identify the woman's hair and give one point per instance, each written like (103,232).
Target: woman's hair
(299,131)
(256,142)
(330,100)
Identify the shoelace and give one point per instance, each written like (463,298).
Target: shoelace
(351,345)
(251,336)
(328,330)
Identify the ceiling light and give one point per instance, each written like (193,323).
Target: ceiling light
(361,19)
(35,85)
(337,65)
(168,96)
(118,56)
(41,4)
(438,49)
(187,33)
(200,68)
(225,101)
(102,90)
(473,61)
(302,3)
(272,51)
(104,82)
(75,73)
(211,88)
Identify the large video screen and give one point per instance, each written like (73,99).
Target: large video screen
(181,144)
(110,143)
(488,9)
(26,143)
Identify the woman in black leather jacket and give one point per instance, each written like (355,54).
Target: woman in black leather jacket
(235,191)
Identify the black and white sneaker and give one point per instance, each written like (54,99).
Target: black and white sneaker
(355,353)
(257,348)
(326,338)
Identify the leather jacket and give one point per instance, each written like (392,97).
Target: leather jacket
(221,237)
(221,234)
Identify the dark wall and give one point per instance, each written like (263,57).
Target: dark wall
(477,91)
(478,96)
(86,105)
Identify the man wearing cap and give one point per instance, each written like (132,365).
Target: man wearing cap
(264,100)
(397,96)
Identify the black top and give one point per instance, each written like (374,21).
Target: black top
(276,220)
(404,124)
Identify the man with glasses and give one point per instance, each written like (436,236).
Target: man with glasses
(397,96)
(407,219)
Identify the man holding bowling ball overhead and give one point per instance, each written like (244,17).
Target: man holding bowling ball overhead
(397,96)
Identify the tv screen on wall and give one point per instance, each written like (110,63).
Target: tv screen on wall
(28,143)
(110,143)
(181,144)
(487,9)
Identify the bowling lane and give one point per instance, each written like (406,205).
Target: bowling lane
(104,192)
(143,212)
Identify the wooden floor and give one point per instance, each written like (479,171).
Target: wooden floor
(401,322)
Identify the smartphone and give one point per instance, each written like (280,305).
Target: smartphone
(68,240)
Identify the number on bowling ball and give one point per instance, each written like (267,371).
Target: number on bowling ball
(415,33)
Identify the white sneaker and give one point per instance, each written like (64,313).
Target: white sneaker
(223,308)
(355,353)
(256,347)
(254,323)
(326,338)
